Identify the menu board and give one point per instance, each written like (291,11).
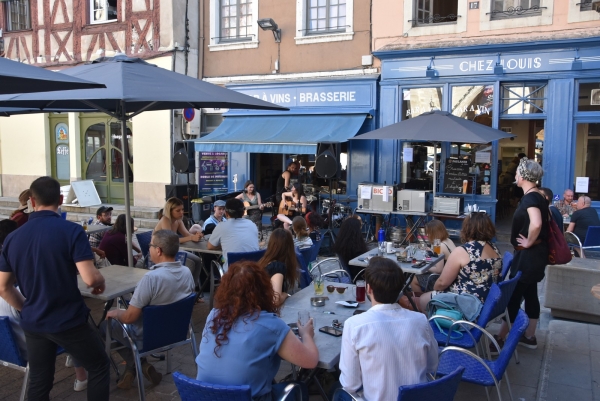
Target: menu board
(457,172)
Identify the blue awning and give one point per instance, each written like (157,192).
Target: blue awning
(292,134)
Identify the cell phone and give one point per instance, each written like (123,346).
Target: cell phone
(358,312)
(331,331)
(294,327)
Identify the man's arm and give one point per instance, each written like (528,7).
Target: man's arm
(214,242)
(91,276)
(351,376)
(129,315)
(9,292)
(212,247)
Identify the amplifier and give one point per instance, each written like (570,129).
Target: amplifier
(370,197)
(413,200)
(446,205)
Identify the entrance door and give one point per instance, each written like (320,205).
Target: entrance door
(59,145)
(103,159)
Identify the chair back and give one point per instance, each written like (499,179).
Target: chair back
(9,351)
(167,324)
(442,389)
(506,290)
(194,390)
(253,256)
(507,260)
(485,316)
(305,278)
(144,241)
(592,237)
(517,330)
(181,257)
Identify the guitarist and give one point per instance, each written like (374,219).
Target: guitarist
(284,180)
(252,198)
(297,205)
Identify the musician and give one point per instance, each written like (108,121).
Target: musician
(283,181)
(252,199)
(298,202)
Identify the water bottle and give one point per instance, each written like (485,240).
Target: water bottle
(90,221)
(381,239)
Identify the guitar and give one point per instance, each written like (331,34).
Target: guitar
(288,208)
(248,207)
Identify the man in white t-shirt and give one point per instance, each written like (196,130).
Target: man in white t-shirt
(236,234)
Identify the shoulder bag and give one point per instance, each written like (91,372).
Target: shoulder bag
(559,252)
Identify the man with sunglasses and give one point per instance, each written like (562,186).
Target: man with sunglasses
(169,282)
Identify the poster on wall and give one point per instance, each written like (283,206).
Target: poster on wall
(213,173)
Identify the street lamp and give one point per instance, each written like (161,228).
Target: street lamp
(267,24)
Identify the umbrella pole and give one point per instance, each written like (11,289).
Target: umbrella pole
(124,149)
(434,169)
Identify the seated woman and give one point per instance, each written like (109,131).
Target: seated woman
(302,239)
(21,215)
(281,264)
(244,340)
(114,243)
(473,266)
(314,222)
(350,244)
(172,219)
(434,229)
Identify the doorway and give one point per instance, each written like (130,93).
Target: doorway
(60,150)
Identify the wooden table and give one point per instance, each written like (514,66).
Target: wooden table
(596,291)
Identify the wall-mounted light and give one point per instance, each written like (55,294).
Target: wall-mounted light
(577,64)
(267,24)
(431,72)
(498,68)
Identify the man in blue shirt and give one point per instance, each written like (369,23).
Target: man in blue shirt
(217,217)
(44,257)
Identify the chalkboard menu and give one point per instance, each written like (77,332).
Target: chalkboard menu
(457,171)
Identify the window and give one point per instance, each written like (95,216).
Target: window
(435,12)
(103,11)
(503,9)
(474,103)
(235,20)
(420,100)
(589,97)
(523,98)
(589,5)
(325,16)
(17,15)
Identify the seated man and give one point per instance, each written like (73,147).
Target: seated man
(216,218)
(566,204)
(387,346)
(236,234)
(103,218)
(583,217)
(169,282)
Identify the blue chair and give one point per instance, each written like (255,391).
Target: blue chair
(181,257)
(253,256)
(591,243)
(144,241)
(331,269)
(194,390)
(305,257)
(500,310)
(481,371)
(507,260)
(165,327)
(442,389)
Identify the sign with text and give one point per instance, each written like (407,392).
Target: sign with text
(213,173)
(582,185)
(455,175)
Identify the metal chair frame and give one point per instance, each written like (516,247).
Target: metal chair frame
(214,266)
(343,272)
(574,241)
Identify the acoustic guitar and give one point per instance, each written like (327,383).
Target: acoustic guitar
(248,207)
(287,207)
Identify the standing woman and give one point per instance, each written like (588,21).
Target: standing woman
(529,237)
(172,219)
(252,198)
(284,180)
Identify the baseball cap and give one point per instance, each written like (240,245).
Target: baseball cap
(103,209)
(220,203)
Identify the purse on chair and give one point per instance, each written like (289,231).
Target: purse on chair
(440,308)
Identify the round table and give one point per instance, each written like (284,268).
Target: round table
(596,291)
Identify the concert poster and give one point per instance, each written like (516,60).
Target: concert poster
(212,173)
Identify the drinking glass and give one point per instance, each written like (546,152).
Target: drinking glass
(318,284)
(360,291)
(437,248)
(303,317)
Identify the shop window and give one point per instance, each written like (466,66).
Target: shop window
(504,9)
(117,155)
(210,122)
(17,15)
(587,162)
(420,100)
(417,165)
(435,12)
(477,171)
(326,16)
(589,5)
(95,153)
(523,98)
(103,11)
(589,97)
(474,103)
(235,20)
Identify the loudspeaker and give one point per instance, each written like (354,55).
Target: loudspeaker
(184,160)
(179,191)
(326,163)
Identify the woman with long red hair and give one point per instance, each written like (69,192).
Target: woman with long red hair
(244,340)
(280,262)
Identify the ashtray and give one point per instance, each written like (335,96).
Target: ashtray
(318,301)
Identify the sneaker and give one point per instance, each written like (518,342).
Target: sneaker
(493,350)
(151,374)
(80,386)
(127,380)
(530,343)
(69,362)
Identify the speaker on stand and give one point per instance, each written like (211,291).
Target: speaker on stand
(184,162)
(327,166)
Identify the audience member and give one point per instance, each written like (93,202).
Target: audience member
(350,244)
(21,215)
(314,222)
(244,340)
(217,217)
(584,217)
(565,205)
(44,257)
(281,263)
(435,230)
(555,213)
(236,234)
(302,239)
(473,267)
(387,346)
(103,218)
(114,242)
(169,282)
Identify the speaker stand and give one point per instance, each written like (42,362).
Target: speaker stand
(329,230)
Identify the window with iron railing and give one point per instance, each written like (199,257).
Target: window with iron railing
(325,16)
(505,9)
(523,98)
(435,12)
(589,5)
(235,21)
(17,15)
